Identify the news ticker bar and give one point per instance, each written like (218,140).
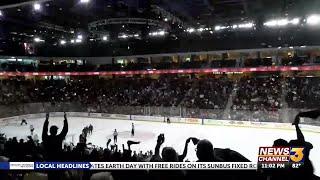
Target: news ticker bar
(170,71)
(128,165)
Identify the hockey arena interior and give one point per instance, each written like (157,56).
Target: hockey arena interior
(159,81)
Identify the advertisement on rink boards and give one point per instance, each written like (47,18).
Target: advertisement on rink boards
(192,120)
(147,118)
(128,165)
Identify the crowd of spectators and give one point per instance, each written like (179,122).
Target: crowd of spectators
(164,91)
(258,93)
(251,93)
(208,93)
(263,94)
(303,92)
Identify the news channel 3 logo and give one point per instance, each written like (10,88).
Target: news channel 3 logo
(297,154)
(281,157)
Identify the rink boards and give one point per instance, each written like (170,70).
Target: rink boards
(233,123)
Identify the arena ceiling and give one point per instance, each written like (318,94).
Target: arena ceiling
(54,20)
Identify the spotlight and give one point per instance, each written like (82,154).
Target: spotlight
(218,28)
(79,36)
(282,22)
(295,21)
(246,25)
(1,13)
(190,30)
(124,36)
(72,41)
(37,39)
(161,33)
(63,42)
(104,38)
(37,7)
(234,26)
(313,20)
(200,29)
(84,1)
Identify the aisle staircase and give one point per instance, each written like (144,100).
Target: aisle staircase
(233,94)
(284,113)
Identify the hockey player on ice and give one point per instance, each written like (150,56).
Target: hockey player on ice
(23,122)
(132,129)
(31,129)
(115,136)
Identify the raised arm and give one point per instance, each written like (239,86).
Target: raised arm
(45,127)
(123,148)
(65,127)
(160,141)
(300,136)
(310,114)
(185,151)
(108,142)
(129,143)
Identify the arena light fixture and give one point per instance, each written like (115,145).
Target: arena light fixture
(124,36)
(37,7)
(1,14)
(295,21)
(157,33)
(79,36)
(161,33)
(277,22)
(104,38)
(218,28)
(63,42)
(270,23)
(72,41)
(282,22)
(78,40)
(313,20)
(246,25)
(190,30)
(37,39)
(84,1)
(200,29)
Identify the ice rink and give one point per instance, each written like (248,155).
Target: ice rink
(244,140)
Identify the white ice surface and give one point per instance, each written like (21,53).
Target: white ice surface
(244,140)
